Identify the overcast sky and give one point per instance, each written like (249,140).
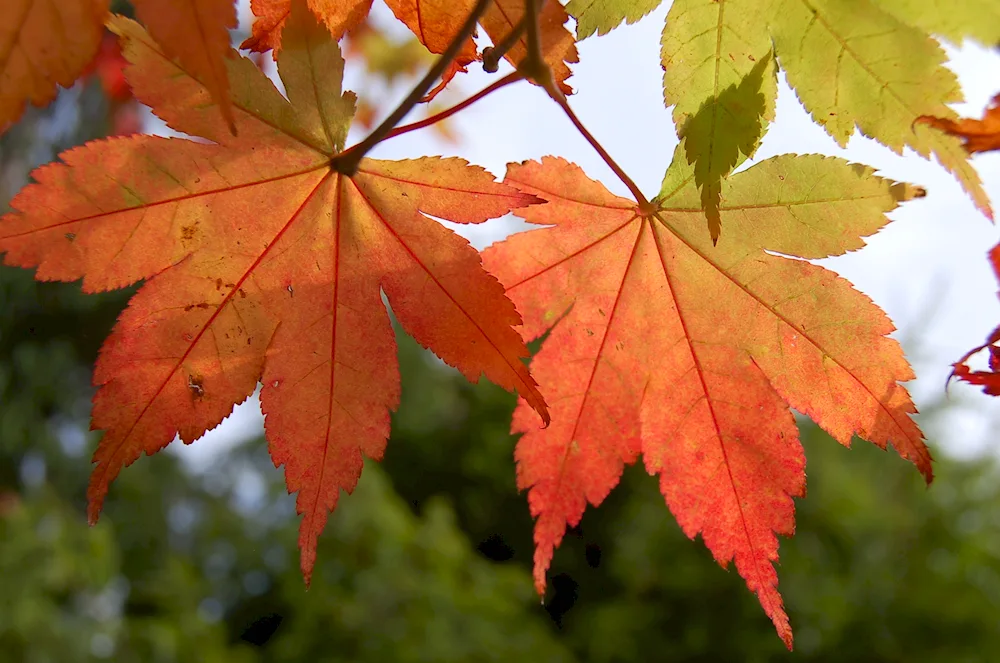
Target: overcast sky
(927,269)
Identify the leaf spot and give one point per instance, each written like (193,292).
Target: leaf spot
(195,386)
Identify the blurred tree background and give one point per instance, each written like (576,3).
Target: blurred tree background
(430,559)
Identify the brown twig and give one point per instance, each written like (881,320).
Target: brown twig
(532,9)
(493,54)
(347,161)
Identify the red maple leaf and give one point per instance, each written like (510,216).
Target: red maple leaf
(262,262)
(989,380)
(663,345)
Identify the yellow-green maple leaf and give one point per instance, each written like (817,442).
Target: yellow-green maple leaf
(866,64)
(602,16)
(852,64)
(719,74)
(972,19)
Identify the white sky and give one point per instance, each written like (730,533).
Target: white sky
(927,269)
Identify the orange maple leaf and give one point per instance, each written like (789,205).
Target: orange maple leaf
(196,32)
(264,263)
(557,43)
(44,45)
(691,355)
(979,135)
(434,22)
(339,16)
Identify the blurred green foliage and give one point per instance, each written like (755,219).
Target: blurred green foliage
(430,559)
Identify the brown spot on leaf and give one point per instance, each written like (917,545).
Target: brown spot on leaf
(195,386)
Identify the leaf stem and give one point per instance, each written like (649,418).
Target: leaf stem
(535,68)
(531,12)
(512,77)
(347,161)
(556,94)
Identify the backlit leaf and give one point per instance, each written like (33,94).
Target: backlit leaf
(853,65)
(339,16)
(44,44)
(602,16)
(978,135)
(264,263)
(719,75)
(954,20)
(197,33)
(691,354)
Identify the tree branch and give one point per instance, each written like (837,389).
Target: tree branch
(347,161)
(493,54)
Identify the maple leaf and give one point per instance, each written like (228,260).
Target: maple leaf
(558,45)
(430,20)
(979,135)
(44,45)
(434,22)
(853,65)
(691,355)
(196,32)
(988,380)
(601,16)
(975,19)
(339,16)
(264,263)
(719,75)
